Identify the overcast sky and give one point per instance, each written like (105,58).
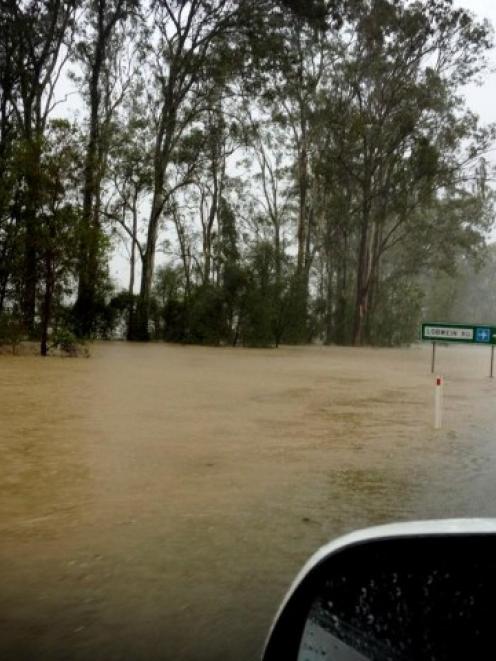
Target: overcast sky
(482,99)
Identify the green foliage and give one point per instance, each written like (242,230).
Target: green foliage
(298,323)
(397,313)
(66,341)
(169,284)
(12,330)
(315,165)
(106,316)
(175,315)
(247,306)
(206,315)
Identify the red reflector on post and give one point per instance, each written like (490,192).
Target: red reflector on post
(438,403)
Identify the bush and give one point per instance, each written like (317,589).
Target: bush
(175,321)
(66,341)
(11,330)
(208,316)
(397,314)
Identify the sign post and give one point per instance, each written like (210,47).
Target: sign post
(459,334)
(438,403)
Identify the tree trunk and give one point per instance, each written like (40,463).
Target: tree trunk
(208,226)
(30,270)
(300,291)
(185,255)
(84,309)
(329,328)
(301,233)
(163,146)
(132,258)
(147,271)
(132,268)
(373,284)
(30,274)
(341,295)
(365,266)
(46,311)
(364,257)
(207,255)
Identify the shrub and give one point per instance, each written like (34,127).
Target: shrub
(66,341)
(11,330)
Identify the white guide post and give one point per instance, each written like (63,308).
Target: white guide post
(438,403)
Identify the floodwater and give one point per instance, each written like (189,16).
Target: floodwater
(157,500)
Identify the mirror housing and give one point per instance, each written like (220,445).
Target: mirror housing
(401,591)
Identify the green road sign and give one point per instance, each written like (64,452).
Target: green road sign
(468,333)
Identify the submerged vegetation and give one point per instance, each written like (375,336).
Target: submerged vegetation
(278,172)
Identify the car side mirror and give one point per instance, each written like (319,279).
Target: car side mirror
(405,591)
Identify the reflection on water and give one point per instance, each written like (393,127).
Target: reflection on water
(155,501)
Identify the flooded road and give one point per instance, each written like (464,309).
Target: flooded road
(156,501)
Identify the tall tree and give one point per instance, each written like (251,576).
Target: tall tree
(395,128)
(99,51)
(61,170)
(130,169)
(185,35)
(299,61)
(38,35)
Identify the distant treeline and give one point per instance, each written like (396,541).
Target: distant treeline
(277,171)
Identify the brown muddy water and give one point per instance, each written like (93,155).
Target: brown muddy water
(156,501)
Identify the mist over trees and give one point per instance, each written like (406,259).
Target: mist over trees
(278,172)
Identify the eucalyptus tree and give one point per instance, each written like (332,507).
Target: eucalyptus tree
(9,88)
(182,41)
(36,41)
(300,54)
(399,140)
(271,207)
(9,76)
(61,168)
(105,54)
(130,175)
